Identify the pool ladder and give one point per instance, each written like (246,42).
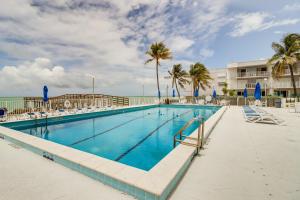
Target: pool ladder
(197,142)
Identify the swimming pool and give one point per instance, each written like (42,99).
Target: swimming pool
(138,138)
(137,159)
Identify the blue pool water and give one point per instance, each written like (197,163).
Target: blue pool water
(138,138)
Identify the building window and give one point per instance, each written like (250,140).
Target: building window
(281,93)
(242,72)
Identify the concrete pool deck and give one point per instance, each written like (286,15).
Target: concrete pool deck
(241,161)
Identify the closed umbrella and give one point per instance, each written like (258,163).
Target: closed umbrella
(45,94)
(245,95)
(173,94)
(196,93)
(214,94)
(45,97)
(257,92)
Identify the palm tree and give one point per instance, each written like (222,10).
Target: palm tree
(200,76)
(225,89)
(179,76)
(287,54)
(157,52)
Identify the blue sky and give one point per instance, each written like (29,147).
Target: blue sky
(59,42)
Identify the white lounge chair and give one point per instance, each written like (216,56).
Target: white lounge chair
(257,115)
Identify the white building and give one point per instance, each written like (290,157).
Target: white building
(219,79)
(247,74)
(241,75)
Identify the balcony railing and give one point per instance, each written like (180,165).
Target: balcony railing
(252,74)
(250,85)
(286,84)
(287,72)
(241,86)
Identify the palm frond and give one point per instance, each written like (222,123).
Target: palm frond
(274,59)
(289,40)
(149,60)
(279,68)
(278,48)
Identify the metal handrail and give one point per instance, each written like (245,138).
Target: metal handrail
(200,135)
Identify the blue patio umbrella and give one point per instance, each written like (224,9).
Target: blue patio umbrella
(173,94)
(45,94)
(257,92)
(214,94)
(245,93)
(196,93)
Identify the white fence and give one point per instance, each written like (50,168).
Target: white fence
(151,100)
(142,100)
(23,105)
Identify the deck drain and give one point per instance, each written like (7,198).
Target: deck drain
(14,146)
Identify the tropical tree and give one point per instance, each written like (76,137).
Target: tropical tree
(225,89)
(157,52)
(231,93)
(200,76)
(179,77)
(287,54)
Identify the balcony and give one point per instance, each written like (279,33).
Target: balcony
(221,83)
(285,84)
(252,74)
(286,72)
(250,86)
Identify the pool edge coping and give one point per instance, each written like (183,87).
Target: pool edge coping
(159,181)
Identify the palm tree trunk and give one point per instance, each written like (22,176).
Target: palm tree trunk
(177,90)
(293,80)
(157,80)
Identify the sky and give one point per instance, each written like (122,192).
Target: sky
(62,43)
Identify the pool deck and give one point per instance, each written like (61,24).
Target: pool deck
(241,161)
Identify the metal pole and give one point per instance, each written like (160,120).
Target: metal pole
(94,90)
(199,143)
(202,134)
(143,94)
(265,79)
(266,94)
(167,91)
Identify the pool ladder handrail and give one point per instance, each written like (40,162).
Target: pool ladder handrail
(199,139)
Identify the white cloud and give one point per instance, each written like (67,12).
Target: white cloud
(246,23)
(37,73)
(109,38)
(257,21)
(206,53)
(179,43)
(105,38)
(279,32)
(292,7)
